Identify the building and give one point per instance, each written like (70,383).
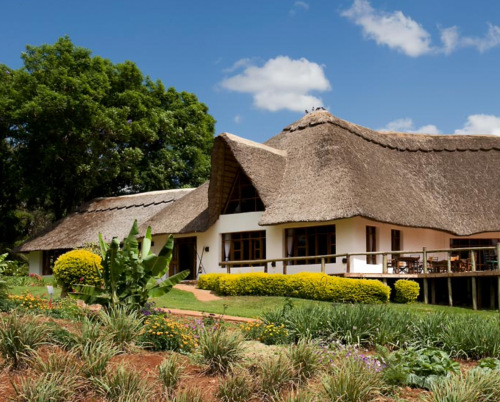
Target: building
(322,186)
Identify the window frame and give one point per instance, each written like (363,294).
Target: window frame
(371,231)
(251,244)
(306,233)
(242,183)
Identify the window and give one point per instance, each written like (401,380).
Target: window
(244,246)
(49,258)
(467,243)
(395,241)
(243,197)
(371,244)
(310,242)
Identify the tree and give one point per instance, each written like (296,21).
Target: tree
(79,126)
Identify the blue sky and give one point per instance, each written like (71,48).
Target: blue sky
(413,65)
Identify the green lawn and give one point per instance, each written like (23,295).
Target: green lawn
(249,306)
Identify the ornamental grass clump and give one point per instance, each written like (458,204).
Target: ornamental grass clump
(57,361)
(163,333)
(238,387)
(305,359)
(20,337)
(220,350)
(77,267)
(122,325)
(53,387)
(275,373)
(96,356)
(122,385)
(189,395)
(170,373)
(353,378)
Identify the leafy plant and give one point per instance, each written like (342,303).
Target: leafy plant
(237,387)
(170,372)
(161,332)
(131,276)
(417,368)
(489,363)
(56,362)
(77,267)
(19,337)
(220,350)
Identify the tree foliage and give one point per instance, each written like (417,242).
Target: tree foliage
(74,126)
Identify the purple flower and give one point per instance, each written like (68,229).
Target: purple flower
(129,121)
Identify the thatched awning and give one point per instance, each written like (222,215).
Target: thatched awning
(113,217)
(336,169)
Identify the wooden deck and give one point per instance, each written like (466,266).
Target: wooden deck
(468,274)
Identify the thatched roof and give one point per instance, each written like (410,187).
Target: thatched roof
(336,169)
(113,217)
(187,215)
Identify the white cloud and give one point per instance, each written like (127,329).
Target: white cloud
(406,125)
(402,33)
(481,124)
(281,83)
(299,6)
(237,119)
(394,29)
(239,64)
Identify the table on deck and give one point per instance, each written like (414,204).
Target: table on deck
(412,265)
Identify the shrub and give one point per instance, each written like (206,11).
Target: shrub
(122,325)
(123,385)
(352,379)
(303,285)
(163,333)
(77,267)
(406,291)
(19,337)
(235,388)
(170,371)
(220,350)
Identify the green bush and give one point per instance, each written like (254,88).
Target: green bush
(77,267)
(406,291)
(303,285)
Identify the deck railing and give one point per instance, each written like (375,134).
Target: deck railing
(470,271)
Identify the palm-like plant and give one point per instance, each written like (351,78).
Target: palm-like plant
(131,276)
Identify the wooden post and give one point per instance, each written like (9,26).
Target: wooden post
(228,267)
(426,284)
(265,267)
(385,270)
(285,266)
(498,294)
(492,295)
(474,293)
(498,256)
(348,268)
(450,291)
(473,261)
(323,269)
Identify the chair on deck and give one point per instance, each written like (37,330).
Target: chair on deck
(490,260)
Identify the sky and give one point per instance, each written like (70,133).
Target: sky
(413,66)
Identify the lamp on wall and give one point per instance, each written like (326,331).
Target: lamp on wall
(207,249)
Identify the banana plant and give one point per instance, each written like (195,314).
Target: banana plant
(130,276)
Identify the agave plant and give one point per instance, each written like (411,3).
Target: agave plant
(130,276)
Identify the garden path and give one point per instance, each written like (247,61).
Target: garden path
(200,294)
(199,314)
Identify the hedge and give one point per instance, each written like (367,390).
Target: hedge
(406,291)
(304,285)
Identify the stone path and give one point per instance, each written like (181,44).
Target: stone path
(200,294)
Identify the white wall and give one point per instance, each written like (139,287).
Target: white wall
(35,262)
